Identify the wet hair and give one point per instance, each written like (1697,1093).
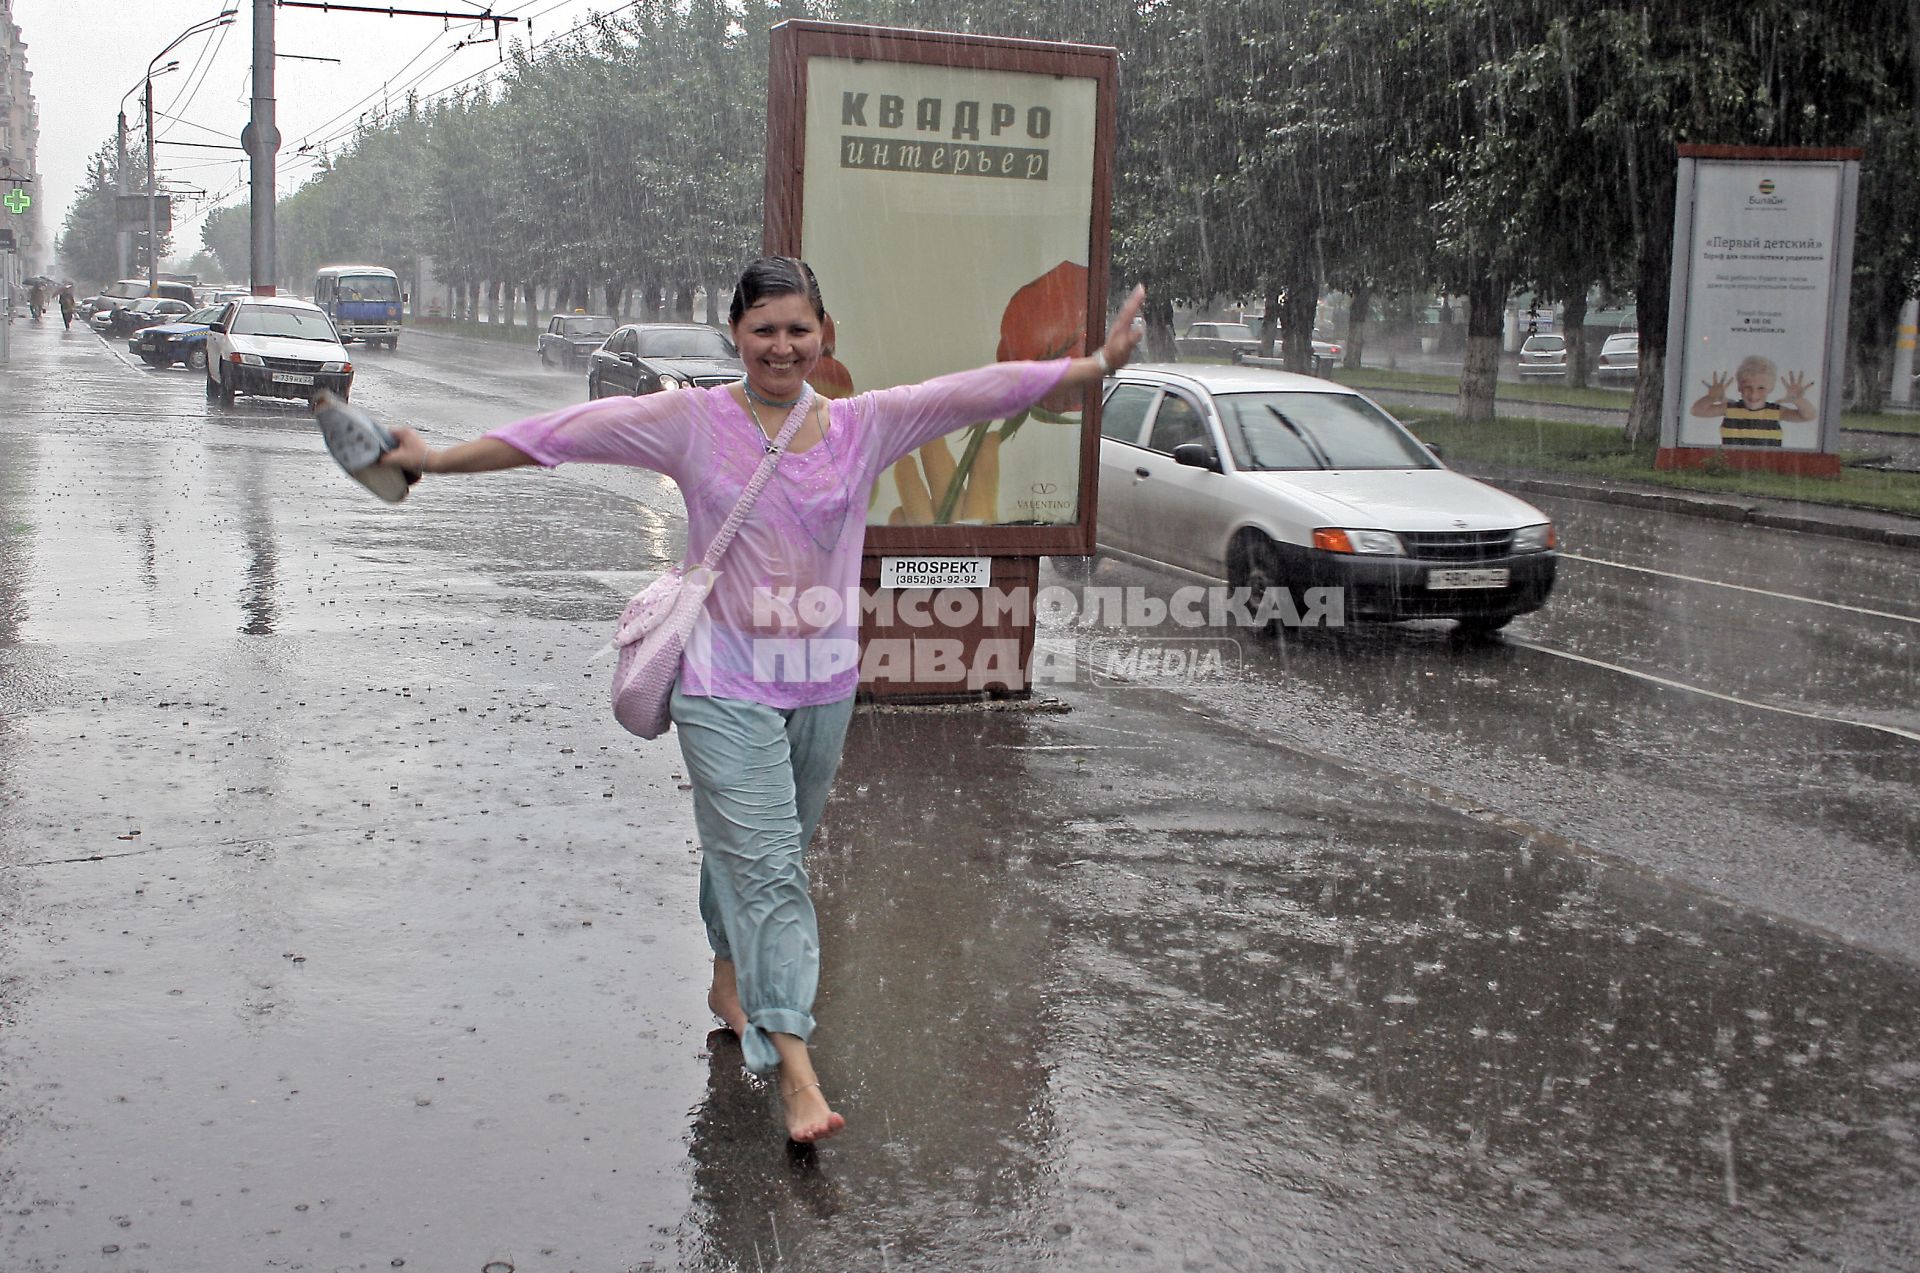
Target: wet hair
(775,276)
(1756,365)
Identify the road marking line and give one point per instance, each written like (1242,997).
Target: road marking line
(1740,587)
(1669,683)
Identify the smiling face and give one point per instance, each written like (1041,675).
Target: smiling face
(1755,385)
(779,340)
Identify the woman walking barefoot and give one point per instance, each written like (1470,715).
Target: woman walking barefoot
(766,687)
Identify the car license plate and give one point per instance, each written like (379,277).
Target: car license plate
(296,378)
(1489,577)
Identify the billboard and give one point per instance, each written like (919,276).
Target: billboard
(1757,331)
(950,193)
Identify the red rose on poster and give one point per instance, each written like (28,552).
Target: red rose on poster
(830,379)
(1046,319)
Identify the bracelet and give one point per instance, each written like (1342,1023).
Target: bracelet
(1100,356)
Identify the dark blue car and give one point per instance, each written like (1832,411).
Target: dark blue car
(184,342)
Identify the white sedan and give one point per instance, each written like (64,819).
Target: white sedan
(1270,480)
(276,347)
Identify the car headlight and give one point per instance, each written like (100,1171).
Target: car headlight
(1376,543)
(335,368)
(1535,539)
(251,360)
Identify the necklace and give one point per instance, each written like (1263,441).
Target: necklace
(746,387)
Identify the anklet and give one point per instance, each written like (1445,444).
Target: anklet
(790,1093)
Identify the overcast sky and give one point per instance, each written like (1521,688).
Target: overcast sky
(84,54)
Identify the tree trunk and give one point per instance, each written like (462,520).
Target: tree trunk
(1297,308)
(1574,316)
(613,292)
(1269,320)
(531,294)
(683,303)
(1358,306)
(713,304)
(1480,375)
(500,304)
(1651,167)
(1159,341)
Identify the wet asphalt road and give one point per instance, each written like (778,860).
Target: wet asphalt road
(341,929)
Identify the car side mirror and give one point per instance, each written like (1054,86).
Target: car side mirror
(217,327)
(1195,455)
(630,358)
(1434,447)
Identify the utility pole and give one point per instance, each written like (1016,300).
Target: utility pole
(262,140)
(153,230)
(122,238)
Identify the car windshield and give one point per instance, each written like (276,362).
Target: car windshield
(368,287)
(1267,431)
(587,328)
(298,324)
(684,342)
(206,315)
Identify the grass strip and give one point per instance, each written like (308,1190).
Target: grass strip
(1555,448)
(1567,396)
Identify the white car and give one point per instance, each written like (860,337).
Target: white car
(1619,357)
(275,347)
(1272,480)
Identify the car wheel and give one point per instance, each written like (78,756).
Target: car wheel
(1254,564)
(213,387)
(393,344)
(197,359)
(153,360)
(593,388)
(223,390)
(544,360)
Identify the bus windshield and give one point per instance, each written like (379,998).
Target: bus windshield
(368,287)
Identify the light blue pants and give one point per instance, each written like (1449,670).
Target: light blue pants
(760,778)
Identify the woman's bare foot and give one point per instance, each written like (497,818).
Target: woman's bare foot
(724,998)
(809,1117)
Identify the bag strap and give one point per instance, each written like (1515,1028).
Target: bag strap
(723,537)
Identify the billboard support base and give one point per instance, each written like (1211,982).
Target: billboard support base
(1822,464)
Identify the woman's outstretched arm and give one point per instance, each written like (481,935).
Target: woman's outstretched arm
(482,455)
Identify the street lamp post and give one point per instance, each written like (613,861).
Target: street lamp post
(153,180)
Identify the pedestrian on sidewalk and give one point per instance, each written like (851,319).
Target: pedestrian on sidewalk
(67,303)
(762,735)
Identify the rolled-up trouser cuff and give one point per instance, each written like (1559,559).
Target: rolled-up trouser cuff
(757,1047)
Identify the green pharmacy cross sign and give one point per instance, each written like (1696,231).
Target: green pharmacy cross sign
(17,201)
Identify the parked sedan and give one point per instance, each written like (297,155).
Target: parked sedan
(1543,354)
(145,312)
(185,341)
(1619,357)
(275,347)
(569,338)
(1270,480)
(1216,340)
(648,357)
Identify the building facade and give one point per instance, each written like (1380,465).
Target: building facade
(19,154)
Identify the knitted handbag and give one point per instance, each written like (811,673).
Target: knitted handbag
(654,627)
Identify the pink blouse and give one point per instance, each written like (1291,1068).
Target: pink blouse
(783,621)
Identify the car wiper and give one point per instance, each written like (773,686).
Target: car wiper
(1320,457)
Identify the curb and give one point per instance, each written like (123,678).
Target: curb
(1713,509)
